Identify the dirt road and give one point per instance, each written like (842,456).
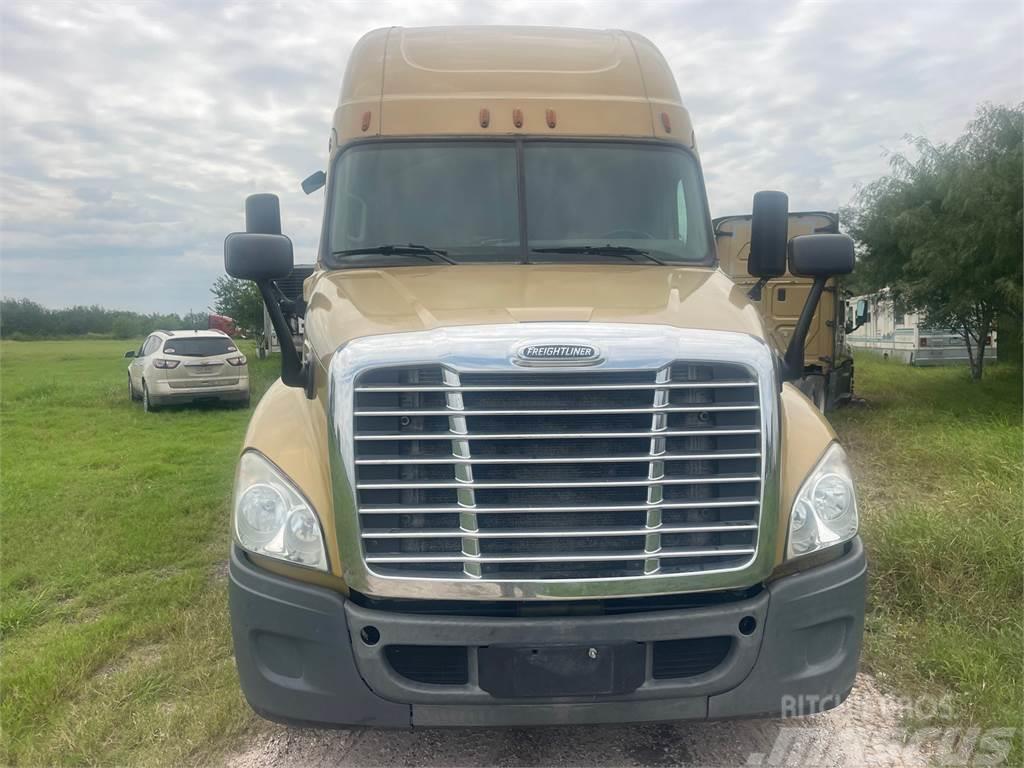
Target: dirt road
(864,731)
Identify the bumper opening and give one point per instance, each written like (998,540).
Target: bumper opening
(688,658)
(432,664)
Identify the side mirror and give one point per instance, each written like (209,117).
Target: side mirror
(257,257)
(263,214)
(821,255)
(262,254)
(129,353)
(769,228)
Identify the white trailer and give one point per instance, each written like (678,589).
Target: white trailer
(905,336)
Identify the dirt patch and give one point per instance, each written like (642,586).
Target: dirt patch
(865,731)
(218,573)
(140,656)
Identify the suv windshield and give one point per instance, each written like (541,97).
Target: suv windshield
(462,199)
(201,346)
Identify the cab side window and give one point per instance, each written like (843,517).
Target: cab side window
(149,347)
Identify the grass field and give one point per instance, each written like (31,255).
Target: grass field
(116,648)
(939,470)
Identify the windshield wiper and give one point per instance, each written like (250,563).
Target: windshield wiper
(601,250)
(409,249)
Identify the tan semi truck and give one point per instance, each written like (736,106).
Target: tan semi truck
(540,459)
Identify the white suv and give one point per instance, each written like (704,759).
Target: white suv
(186,367)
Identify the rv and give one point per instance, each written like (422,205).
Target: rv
(876,325)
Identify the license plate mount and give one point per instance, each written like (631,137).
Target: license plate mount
(561,670)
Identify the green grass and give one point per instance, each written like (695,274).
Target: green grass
(939,465)
(116,647)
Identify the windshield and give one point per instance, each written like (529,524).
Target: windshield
(462,199)
(459,197)
(199,346)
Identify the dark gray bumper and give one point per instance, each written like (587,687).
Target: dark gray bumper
(301,659)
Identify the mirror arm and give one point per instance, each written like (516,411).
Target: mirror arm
(296,306)
(292,373)
(793,362)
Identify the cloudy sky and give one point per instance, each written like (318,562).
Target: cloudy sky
(131,133)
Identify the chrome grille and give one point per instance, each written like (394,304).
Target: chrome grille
(511,475)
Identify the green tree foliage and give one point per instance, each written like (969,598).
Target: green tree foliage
(195,321)
(241,301)
(24,318)
(943,231)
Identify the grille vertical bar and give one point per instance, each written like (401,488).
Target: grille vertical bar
(462,452)
(656,471)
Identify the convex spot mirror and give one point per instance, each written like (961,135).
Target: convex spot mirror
(313,182)
(821,255)
(769,228)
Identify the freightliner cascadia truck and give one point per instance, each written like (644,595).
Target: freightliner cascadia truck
(539,459)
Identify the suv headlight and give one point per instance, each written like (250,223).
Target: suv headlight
(825,510)
(271,516)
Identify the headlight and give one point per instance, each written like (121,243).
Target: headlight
(271,516)
(825,510)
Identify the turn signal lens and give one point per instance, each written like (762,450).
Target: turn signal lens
(239,360)
(162,363)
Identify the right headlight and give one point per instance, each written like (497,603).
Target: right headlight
(825,510)
(272,517)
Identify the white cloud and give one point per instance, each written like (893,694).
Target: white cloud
(131,133)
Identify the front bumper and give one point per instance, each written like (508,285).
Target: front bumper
(303,656)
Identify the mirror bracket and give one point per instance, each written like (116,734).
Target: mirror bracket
(292,368)
(793,361)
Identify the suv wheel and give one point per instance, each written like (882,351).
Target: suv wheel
(147,404)
(131,390)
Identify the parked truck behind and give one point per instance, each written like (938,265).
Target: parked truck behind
(828,361)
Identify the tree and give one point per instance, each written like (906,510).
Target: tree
(241,301)
(23,318)
(943,232)
(195,321)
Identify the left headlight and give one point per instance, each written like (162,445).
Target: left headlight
(825,510)
(271,516)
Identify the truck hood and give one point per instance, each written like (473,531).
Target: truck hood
(349,304)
